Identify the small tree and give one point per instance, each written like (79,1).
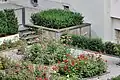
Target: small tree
(12,22)
(3,24)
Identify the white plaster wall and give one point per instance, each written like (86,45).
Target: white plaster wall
(108,29)
(30,9)
(93,11)
(96,12)
(115,8)
(42,4)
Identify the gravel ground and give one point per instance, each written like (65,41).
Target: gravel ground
(12,55)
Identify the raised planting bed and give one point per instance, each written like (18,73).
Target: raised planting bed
(55,22)
(12,38)
(83,29)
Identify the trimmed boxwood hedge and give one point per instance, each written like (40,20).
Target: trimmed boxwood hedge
(57,18)
(8,22)
(94,44)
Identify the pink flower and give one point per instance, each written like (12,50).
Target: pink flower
(39,78)
(31,68)
(45,78)
(65,67)
(45,67)
(105,60)
(65,61)
(67,55)
(17,65)
(54,68)
(72,63)
(58,62)
(81,56)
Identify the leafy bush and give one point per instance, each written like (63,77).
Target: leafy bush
(8,44)
(96,44)
(57,18)
(83,42)
(49,53)
(112,48)
(8,22)
(28,71)
(116,78)
(25,71)
(5,63)
(83,66)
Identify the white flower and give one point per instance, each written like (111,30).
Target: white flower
(68,76)
(54,71)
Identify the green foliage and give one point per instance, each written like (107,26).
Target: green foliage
(57,18)
(112,48)
(12,22)
(3,24)
(48,53)
(83,66)
(8,44)
(5,63)
(94,44)
(25,71)
(83,42)
(116,78)
(8,22)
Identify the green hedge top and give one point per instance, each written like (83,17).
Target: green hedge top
(8,22)
(57,18)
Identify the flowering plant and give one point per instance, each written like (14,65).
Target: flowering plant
(26,71)
(83,66)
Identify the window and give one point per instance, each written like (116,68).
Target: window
(3,0)
(117,35)
(66,7)
(34,3)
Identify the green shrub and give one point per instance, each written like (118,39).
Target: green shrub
(8,22)
(3,24)
(116,78)
(5,63)
(12,22)
(112,48)
(8,44)
(48,54)
(57,18)
(95,44)
(83,42)
(25,71)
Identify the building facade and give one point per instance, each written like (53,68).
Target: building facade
(104,15)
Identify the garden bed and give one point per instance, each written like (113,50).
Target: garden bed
(55,22)
(83,29)
(54,61)
(12,38)
(93,44)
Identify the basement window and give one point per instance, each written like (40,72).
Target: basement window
(34,3)
(117,35)
(66,7)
